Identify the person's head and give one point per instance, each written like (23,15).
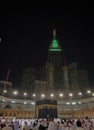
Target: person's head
(78,123)
(86,117)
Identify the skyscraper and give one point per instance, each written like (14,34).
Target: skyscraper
(83,80)
(54,64)
(73,76)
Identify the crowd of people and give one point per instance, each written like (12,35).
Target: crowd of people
(46,124)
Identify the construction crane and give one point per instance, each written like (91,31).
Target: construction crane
(6,82)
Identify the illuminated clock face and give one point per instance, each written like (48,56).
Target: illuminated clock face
(55,44)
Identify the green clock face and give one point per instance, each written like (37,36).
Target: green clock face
(54,44)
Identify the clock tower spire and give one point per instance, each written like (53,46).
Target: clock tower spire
(54,33)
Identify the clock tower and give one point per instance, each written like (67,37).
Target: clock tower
(54,64)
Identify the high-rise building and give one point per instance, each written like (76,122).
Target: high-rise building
(28,79)
(54,64)
(73,76)
(83,80)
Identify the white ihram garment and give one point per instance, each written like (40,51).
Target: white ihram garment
(52,126)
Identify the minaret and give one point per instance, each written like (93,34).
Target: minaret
(65,75)
(51,77)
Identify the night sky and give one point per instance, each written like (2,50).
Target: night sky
(27,32)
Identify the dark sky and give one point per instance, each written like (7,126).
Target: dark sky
(27,32)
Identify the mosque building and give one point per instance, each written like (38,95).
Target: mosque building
(56,76)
